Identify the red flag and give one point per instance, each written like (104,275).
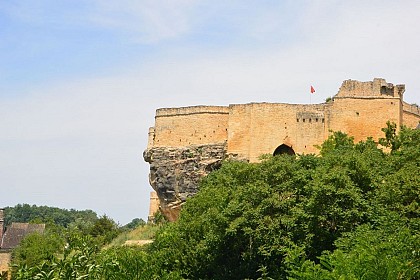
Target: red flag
(312,89)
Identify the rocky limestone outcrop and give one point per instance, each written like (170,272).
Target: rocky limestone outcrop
(175,173)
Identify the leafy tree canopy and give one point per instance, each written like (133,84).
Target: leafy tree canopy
(250,219)
(25,213)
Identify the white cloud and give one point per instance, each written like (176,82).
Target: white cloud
(148,20)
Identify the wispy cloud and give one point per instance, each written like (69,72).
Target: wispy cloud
(148,20)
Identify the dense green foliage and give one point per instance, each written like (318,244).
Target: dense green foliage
(25,213)
(105,229)
(387,250)
(83,220)
(351,213)
(262,220)
(63,229)
(81,257)
(135,223)
(36,247)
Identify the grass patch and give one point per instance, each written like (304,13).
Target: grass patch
(144,232)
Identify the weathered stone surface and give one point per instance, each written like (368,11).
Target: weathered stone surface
(175,173)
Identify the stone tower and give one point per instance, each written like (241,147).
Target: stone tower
(1,225)
(154,206)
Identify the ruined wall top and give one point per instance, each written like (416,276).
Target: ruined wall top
(411,108)
(170,112)
(376,88)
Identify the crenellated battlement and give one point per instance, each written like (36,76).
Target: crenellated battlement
(411,114)
(376,88)
(411,108)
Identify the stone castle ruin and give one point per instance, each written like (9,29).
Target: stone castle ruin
(188,143)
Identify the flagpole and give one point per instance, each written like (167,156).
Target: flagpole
(310,94)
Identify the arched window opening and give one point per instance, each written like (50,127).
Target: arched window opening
(283,149)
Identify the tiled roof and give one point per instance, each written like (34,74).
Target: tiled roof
(17,231)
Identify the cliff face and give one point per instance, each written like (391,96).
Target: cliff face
(175,173)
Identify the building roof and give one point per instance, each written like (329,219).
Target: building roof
(17,231)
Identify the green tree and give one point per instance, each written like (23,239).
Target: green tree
(26,213)
(105,229)
(36,248)
(389,250)
(391,139)
(134,224)
(337,142)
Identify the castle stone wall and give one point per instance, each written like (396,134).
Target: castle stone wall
(5,258)
(411,114)
(410,119)
(153,206)
(180,127)
(364,117)
(238,133)
(259,128)
(311,127)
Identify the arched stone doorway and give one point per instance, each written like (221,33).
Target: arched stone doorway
(283,149)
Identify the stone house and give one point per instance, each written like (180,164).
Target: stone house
(10,238)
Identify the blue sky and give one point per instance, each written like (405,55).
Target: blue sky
(80,80)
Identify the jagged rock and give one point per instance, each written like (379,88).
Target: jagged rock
(175,173)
